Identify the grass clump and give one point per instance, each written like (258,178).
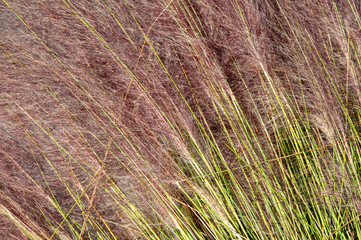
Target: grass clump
(180,119)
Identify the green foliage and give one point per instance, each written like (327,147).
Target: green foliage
(181,120)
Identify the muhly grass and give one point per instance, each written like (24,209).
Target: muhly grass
(180,119)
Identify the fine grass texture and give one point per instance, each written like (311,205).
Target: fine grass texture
(180,119)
